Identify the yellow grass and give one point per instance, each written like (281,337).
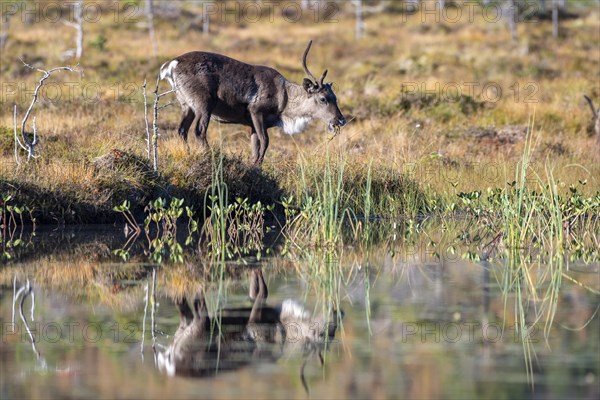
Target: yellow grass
(369,76)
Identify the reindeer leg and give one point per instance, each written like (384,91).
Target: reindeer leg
(253,288)
(203,114)
(186,121)
(201,128)
(303,379)
(200,312)
(258,287)
(258,292)
(255,145)
(185,315)
(263,137)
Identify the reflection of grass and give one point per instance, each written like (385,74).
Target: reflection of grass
(533,220)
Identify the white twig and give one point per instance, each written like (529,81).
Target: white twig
(14,299)
(24,142)
(32,304)
(28,290)
(155,135)
(166,93)
(152,312)
(148,142)
(155,127)
(166,105)
(144,322)
(34,141)
(17,141)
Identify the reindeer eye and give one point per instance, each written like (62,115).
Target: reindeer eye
(322,100)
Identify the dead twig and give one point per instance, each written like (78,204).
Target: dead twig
(155,134)
(24,142)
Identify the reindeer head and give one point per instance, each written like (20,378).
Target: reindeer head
(325,101)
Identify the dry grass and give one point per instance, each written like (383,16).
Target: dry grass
(433,142)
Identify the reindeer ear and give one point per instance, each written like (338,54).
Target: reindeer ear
(309,85)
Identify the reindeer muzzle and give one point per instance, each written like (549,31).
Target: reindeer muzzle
(335,125)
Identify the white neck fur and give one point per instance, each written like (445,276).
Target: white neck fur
(296,116)
(292,126)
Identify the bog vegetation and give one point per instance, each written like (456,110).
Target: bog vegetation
(447,118)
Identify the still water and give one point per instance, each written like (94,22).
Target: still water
(413,326)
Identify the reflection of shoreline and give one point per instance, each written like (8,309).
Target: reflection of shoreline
(80,262)
(97,242)
(93,241)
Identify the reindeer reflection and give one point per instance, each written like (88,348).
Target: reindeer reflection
(203,346)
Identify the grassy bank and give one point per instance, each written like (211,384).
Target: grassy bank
(413,143)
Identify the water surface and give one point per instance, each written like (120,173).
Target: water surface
(413,327)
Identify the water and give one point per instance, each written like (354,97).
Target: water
(413,327)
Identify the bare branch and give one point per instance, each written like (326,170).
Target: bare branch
(155,127)
(155,135)
(34,141)
(152,314)
(24,141)
(17,141)
(146,119)
(69,23)
(27,290)
(145,313)
(165,93)
(166,105)
(14,299)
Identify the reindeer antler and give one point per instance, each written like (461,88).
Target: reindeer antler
(311,76)
(322,79)
(319,82)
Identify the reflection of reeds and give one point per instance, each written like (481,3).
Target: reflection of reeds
(530,221)
(12,224)
(230,229)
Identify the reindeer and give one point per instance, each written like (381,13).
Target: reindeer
(203,346)
(209,84)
